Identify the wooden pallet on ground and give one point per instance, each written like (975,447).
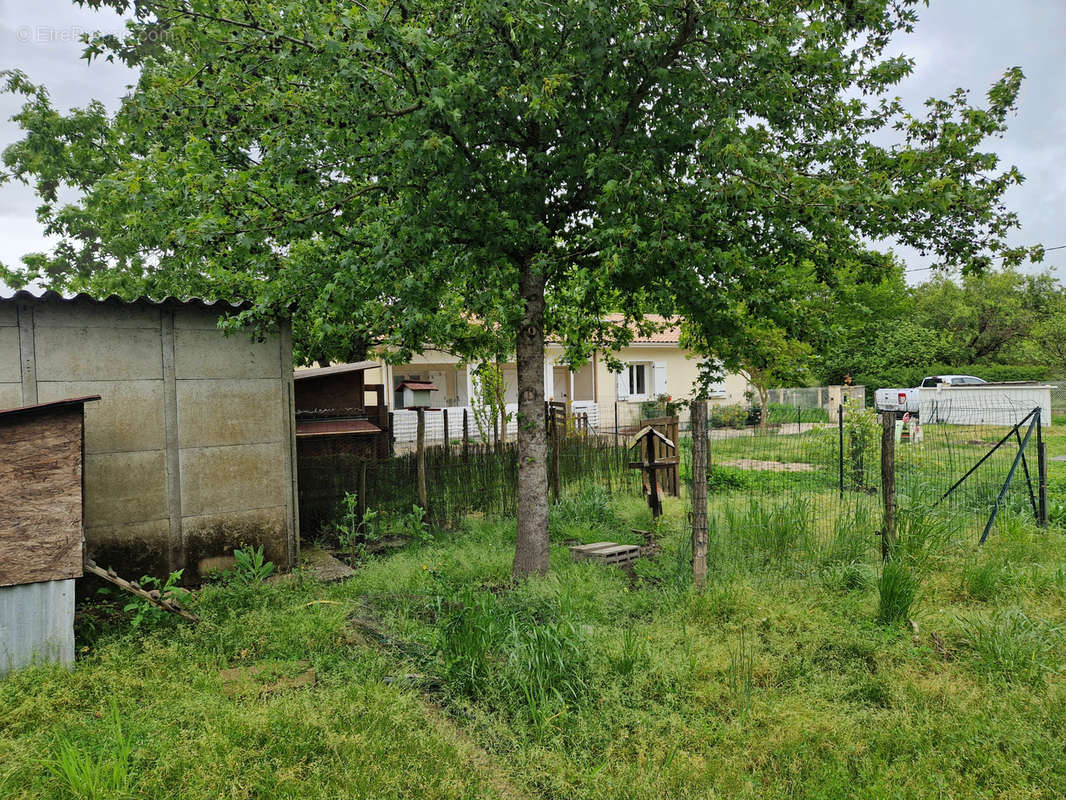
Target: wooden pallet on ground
(606,553)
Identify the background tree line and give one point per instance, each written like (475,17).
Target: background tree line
(1000,325)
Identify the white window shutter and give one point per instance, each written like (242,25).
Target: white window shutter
(658,382)
(623,383)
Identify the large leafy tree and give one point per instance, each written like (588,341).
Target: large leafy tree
(478,175)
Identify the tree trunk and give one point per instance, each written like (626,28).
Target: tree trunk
(531,544)
(764,401)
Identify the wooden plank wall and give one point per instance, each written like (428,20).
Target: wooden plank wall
(41,487)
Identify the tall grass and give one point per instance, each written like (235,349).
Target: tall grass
(897,589)
(1011,647)
(99,772)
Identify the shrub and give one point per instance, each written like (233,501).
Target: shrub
(733,416)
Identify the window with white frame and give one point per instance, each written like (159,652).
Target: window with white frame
(638,380)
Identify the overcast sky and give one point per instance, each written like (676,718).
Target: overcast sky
(965,43)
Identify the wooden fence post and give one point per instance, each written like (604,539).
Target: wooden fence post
(420,458)
(888,483)
(361,509)
(698,411)
(556,439)
(392,437)
(447,435)
(466,432)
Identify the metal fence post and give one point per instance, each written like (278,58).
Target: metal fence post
(840,447)
(1041,459)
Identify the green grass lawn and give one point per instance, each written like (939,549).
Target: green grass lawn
(439,677)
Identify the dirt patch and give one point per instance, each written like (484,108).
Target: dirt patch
(770,466)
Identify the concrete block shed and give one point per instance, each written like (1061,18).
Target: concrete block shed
(190,451)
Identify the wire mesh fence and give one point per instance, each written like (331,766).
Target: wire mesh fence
(801,494)
(459,480)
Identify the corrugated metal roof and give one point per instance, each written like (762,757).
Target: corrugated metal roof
(335,369)
(73,401)
(49,295)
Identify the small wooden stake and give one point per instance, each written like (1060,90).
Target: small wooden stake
(466,432)
(447,438)
(420,458)
(699,493)
(888,483)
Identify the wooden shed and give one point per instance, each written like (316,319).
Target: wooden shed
(41,529)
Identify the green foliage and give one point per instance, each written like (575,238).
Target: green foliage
(488,404)
(985,580)
(897,589)
(777,413)
(583,512)
(505,657)
(101,773)
(740,673)
(732,416)
(1011,647)
(148,613)
(251,567)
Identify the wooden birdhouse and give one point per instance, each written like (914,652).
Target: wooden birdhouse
(414,394)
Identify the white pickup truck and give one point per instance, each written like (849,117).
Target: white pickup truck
(904,400)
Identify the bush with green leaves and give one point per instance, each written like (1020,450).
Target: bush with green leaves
(731,416)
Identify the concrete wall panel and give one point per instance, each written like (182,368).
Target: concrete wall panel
(137,548)
(204,319)
(10,368)
(86,354)
(215,413)
(10,395)
(8,315)
(125,487)
(127,417)
(217,535)
(217,480)
(92,315)
(210,354)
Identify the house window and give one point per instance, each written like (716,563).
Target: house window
(638,380)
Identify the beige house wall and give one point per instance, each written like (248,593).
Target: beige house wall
(190,450)
(592,381)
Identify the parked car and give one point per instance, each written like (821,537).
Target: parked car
(906,400)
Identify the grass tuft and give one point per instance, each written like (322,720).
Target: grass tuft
(1011,647)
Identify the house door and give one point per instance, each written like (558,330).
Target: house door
(561,390)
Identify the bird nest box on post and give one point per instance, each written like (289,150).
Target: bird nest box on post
(414,394)
(657,452)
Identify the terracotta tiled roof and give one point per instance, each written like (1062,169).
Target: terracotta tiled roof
(417,386)
(669,331)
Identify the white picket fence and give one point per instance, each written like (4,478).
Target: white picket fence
(405,423)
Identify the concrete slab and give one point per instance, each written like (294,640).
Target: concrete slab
(227,412)
(122,488)
(128,417)
(10,365)
(217,480)
(97,354)
(209,354)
